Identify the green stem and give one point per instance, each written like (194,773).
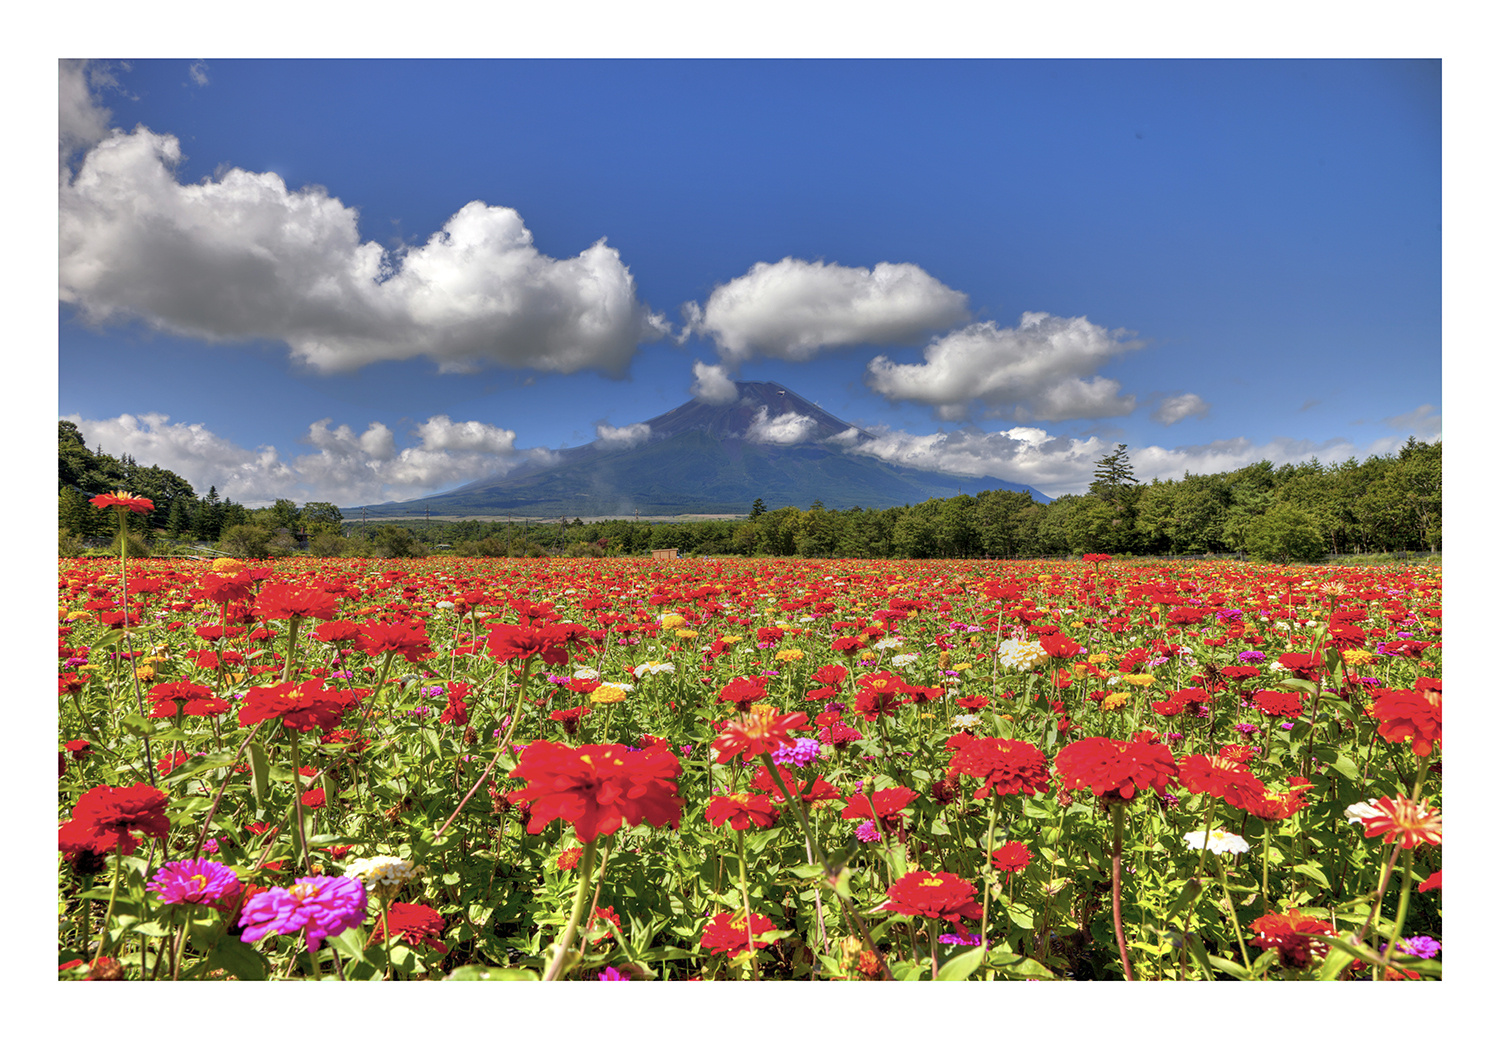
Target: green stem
(1234,916)
(1406,862)
(989,850)
(297,802)
(739,843)
(559,951)
(1117,812)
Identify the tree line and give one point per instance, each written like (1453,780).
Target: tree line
(1386,503)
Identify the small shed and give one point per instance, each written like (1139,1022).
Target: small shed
(664,553)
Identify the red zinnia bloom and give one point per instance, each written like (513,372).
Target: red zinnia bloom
(225,588)
(569,859)
(1060,647)
(880,695)
(1404,713)
(516,642)
(1303,665)
(1221,777)
(336,631)
(757,733)
(1410,822)
(599,786)
(941,896)
(742,692)
(816,789)
(1011,857)
(104,817)
(885,805)
(457,711)
(973,703)
(195,700)
(741,810)
(285,601)
(299,707)
(1278,704)
(728,934)
(411,642)
(412,924)
(830,674)
(1114,768)
(1281,806)
(121,500)
(1005,766)
(1293,936)
(1434,881)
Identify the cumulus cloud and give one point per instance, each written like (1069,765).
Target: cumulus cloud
(82,121)
(344,467)
(633,435)
(1058,465)
(1175,409)
(240,257)
(1425,421)
(790,428)
(792,309)
(1041,369)
(712,384)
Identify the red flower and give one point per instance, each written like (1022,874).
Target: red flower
(757,733)
(285,601)
(1060,647)
(742,692)
(1278,704)
(409,641)
(1005,766)
(457,711)
(830,674)
(197,701)
(1303,665)
(337,631)
(1404,713)
(728,934)
(816,789)
(1221,777)
(1281,806)
(1293,936)
(299,707)
(1115,769)
(741,810)
(121,500)
(941,896)
(1410,822)
(973,703)
(1434,881)
(880,695)
(885,805)
(226,588)
(104,817)
(598,787)
(412,924)
(1011,857)
(516,642)
(569,859)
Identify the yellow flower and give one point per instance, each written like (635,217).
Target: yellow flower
(685,634)
(74,615)
(145,672)
(869,654)
(673,620)
(763,708)
(789,655)
(1098,658)
(1358,657)
(730,640)
(965,666)
(1114,700)
(1141,680)
(607,693)
(225,565)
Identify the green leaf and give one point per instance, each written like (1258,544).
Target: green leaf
(135,725)
(1234,970)
(1020,915)
(1308,869)
(961,966)
(238,958)
(351,943)
(474,972)
(198,766)
(260,771)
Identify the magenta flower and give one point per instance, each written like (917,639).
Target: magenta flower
(316,906)
(195,881)
(610,974)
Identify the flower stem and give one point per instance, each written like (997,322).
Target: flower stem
(1234,916)
(559,949)
(739,842)
(989,850)
(1117,812)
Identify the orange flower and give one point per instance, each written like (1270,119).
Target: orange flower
(121,500)
(757,733)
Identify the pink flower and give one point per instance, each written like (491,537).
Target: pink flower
(194,881)
(316,906)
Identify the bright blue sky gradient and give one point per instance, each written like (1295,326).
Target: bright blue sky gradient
(1270,231)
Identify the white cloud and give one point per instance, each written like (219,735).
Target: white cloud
(793,308)
(1175,409)
(198,72)
(633,435)
(712,384)
(1057,465)
(345,467)
(787,429)
(240,257)
(82,121)
(1041,369)
(1425,421)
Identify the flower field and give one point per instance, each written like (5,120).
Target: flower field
(621,769)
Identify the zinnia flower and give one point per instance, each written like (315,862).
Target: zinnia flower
(194,881)
(1293,936)
(300,707)
(741,810)
(104,817)
(1403,714)
(121,500)
(1011,857)
(387,872)
(941,896)
(318,907)
(1220,842)
(285,601)
(753,734)
(1115,768)
(195,701)
(1221,777)
(1410,822)
(728,933)
(412,924)
(1005,766)
(598,787)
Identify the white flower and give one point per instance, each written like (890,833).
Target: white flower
(889,642)
(1356,813)
(654,667)
(966,721)
(586,674)
(445,605)
(902,659)
(386,871)
(1020,655)
(1220,842)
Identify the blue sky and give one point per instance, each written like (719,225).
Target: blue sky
(360,281)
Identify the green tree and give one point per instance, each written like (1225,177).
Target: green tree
(284,513)
(1285,534)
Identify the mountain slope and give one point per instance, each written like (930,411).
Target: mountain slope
(769,444)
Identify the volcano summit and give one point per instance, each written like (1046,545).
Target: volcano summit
(769,443)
